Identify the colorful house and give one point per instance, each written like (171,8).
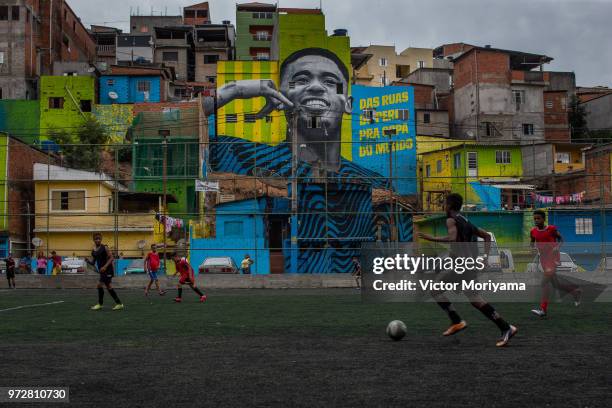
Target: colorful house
(134,84)
(65,102)
(73,204)
(20,119)
(486,175)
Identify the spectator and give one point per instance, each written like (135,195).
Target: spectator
(41,263)
(10,271)
(245,265)
(57,263)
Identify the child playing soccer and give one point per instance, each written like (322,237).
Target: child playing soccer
(151,266)
(103,261)
(186,277)
(547,240)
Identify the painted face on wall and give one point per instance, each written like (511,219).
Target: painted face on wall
(319,91)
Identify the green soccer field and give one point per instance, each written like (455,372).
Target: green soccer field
(264,346)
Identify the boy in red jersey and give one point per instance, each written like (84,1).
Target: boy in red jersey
(151,266)
(547,240)
(186,277)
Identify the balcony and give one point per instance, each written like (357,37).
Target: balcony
(259,37)
(529,77)
(106,50)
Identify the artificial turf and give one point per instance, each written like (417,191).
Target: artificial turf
(299,348)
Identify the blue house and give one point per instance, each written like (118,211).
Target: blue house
(134,85)
(586,233)
(239,231)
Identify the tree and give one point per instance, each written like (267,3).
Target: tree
(577,119)
(82,149)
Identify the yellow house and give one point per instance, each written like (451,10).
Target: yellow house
(72,204)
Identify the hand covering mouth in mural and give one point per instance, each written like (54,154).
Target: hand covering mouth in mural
(313,94)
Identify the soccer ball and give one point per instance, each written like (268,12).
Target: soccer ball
(396,330)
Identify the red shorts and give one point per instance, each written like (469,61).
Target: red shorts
(185,279)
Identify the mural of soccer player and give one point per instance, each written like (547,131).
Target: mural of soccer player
(313,92)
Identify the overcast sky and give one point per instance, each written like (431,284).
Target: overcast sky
(576,33)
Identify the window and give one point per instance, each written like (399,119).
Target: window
(1,57)
(250,118)
(3,12)
(472,164)
(211,79)
(68,200)
(15,13)
(262,36)
(262,15)
(382,62)
(439,166)
(457,161)
(56,103)
(428,171)
(502,157)
(584,226)
(0,93)
(314,122)
(143,86)
(189,13)
(262,56)
(488,128)
(563,157)
(211,58)
(170,56)
(268,119)
(519,98)
(426,118)
(402,114)
(269,15)
(234,228)
(86,105)
(421,64)
(368,114)
(528,129)
(202,13)
(383,80)
(231,118)
(549,105)
(74,26)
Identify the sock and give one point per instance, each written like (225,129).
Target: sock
(452,314)
(114,295)
(180,293)
(100,296)
(491,314)
(197,290)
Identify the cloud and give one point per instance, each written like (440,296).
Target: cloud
(574,32)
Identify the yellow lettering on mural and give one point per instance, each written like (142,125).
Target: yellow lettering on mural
(392,99)
(369,103)
(369,134)
(365,151)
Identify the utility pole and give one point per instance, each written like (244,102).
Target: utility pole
(392,228)
(294,193)
(116,201)
(165,190)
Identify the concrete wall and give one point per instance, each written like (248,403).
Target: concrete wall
(538,160)
(437,126)
(599,112)
(145,24)
(180,66)
(439,78)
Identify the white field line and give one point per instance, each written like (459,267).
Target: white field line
(26,306)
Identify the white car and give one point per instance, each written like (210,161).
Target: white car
(223,264)
(74,265)
(567,266)
(495,261)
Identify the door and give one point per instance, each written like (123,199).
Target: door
(472,164)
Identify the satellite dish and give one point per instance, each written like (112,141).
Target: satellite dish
(37,242)
(141,244)
(470,133)
(113,95)
(91,69)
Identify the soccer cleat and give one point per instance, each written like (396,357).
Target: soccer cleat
(455,328)
(178,300)
(506,336)
(118,307)
(96,307)
(162,293)
(202,298)
(577,297)
(538,312)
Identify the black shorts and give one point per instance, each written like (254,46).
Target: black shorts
(10,274)
(106,278)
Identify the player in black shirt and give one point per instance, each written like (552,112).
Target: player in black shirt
(10,271)
(103,261)
(463,231)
